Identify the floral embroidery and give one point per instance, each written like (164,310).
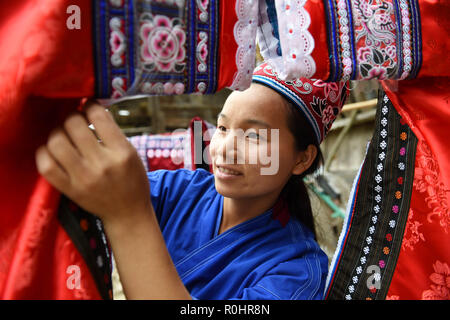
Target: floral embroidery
(375,27)
(412,235)
(163,43)
(117,42)
(403,136)
(427,180)
(373,39)
(440,287)
(327,112)
(156,47)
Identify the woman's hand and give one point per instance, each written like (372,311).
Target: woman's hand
(106,178)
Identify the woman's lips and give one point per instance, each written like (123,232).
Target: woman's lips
(226,172)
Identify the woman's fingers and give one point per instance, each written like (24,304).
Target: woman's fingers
(106,128)
(49,168)
(81,135)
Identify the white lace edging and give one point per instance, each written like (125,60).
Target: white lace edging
(245,37)
(297,43)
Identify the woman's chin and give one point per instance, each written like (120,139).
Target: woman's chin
(227,190)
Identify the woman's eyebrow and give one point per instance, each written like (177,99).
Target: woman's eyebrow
(249,121)
(258,122)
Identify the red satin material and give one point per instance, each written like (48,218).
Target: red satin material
(423,267)
(318,30)
(227,45)
(44,70)
(435,24)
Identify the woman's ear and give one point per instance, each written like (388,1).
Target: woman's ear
(305,159)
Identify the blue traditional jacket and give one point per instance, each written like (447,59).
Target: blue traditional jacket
(256,259)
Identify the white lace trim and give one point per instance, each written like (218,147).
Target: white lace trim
(245,37)
(297,43)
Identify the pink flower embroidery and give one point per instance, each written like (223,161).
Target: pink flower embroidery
(328,115)
(331,89)
(440,287)
(377,73)
(364,54)
(163,42)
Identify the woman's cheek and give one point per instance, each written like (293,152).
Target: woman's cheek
(213,147)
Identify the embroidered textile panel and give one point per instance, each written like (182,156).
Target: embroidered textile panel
(372,235)
(371,39)
(155,47)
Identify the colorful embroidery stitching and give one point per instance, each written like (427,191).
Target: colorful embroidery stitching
(364,269)
(155,47)
(373,39)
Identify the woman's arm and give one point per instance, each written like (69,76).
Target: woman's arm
(108,179)
(145,267)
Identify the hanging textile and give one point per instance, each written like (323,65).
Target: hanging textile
(55,53)
(173,47)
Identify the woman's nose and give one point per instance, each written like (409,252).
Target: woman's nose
(232,147)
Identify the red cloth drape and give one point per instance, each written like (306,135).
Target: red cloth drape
(44,70)
(423,266)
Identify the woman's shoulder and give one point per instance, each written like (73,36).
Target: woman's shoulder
(305,242)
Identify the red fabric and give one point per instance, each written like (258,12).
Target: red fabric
(423,267)
(318,30)
(322,101)
(435,34)
(38,52)
(227,45)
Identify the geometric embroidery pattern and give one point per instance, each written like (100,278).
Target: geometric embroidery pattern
(372,241)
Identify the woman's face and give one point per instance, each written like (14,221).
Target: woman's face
(253,151)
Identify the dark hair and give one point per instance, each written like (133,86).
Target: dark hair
(295,192)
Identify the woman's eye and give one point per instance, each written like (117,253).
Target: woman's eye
(222,128)
(253,135)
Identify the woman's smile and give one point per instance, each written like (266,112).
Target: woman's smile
(226,172)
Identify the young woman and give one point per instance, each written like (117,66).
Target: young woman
(234,234)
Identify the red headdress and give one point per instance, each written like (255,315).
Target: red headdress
(319,101)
